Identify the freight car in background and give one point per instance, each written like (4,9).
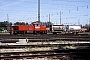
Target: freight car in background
(34,28)
(84,30)
(65,28)
(72,28)
(57,28)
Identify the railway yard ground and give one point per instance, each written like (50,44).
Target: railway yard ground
(45,46)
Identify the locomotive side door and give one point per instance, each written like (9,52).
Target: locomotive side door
(37,26)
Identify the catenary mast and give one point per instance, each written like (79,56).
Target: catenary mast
(39,10)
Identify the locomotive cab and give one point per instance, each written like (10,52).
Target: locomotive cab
(36,24)
(13,29)
(39,28)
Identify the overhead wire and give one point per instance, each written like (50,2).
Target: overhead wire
(53,7)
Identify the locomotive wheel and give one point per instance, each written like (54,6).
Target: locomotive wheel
(45,32)
(11,33)
(24,32)
(15,33)
(54,33)
(42,32)
(34,32)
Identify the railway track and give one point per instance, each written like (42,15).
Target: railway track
(44,45)
(14,40)
(44,36)
(80,42)
(59,54)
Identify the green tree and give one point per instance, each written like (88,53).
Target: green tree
(20,23)
(4,25)
(47,24)
(87,26)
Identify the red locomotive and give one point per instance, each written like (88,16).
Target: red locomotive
(35,27)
